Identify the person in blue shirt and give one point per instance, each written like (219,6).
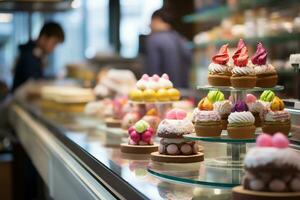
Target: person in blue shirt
(33,55)
(166,51)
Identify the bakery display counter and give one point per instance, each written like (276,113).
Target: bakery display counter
(79,160)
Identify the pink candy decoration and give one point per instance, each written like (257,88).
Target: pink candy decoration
(176,114)
(155,78)
(146,137)
(280,141)
(165,76)
(145,77)
(264,140)
(250,98)
(150,129)
(180,114)
(171,114)
(131,129)
(135,136)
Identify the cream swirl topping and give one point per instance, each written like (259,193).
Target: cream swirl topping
(262,69)
(217,68)
(280,116)
(256,107)
(222,107)
(241,117)
(165,84)
(177,127)
(141,84)
(243,70)
(205,116)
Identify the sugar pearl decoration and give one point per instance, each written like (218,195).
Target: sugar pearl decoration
(186,149)
(172,149)
(295,185)
(277,185)
(161,149)
(195,148)
(256,185)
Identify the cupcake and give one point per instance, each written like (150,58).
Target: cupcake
(207,122)
(266,73)
(243,75)
(255,107)
(171,130)
(140,134)
(221,106)
(241,122)
(152,118)
(219,70)
(276,119)
(271,166)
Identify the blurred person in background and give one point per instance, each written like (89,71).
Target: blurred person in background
(167,51)
(33,55)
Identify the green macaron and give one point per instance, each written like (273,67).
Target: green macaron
(215,95)
(267,96)
(141,126)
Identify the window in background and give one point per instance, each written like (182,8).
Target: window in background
(135,20)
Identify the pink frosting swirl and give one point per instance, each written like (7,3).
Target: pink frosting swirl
(260,56)
(205,116)
(277,116)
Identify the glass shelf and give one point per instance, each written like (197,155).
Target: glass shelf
(222,139)
(232,89)
(200,175)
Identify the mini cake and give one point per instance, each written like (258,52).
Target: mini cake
(243,75)
(207,122)
(171,130)
(152,118)
(221,106)
(140,139)
(155,88)
(241,122)
(130,119)
(271,166)
(276,119)
(255,107)
(219,70)
(266,73)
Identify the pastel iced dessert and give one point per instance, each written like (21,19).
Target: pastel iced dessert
(272,166)
(243,75)
(221,106)
(219,70)
(155,88)
(255,107)
(171,130)
(140,134)
(276,119)
(241,122)
(207,122)
(266,73)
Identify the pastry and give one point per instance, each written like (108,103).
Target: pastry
(243,75)
(152,118)
(219,70)
(276,119)
(241,122)
(130,119)
(221,106)
(155,88)
(271,166)
(255,107)
(206,121)
(140,134)
(171,130)
(266,73)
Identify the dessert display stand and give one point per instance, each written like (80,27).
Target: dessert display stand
(219,171)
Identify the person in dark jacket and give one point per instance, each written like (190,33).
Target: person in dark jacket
(32,58)
(167,51)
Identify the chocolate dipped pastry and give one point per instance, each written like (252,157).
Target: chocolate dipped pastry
(272,166)
(171,130)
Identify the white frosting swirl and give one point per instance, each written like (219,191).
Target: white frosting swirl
(243,70)
(261,156)
(217,68)
(177,127)
(165,83)
(241,117)
(222,107)
(262,69)
(152,85)
(205,116)
(272,116)
(141,84)
(256,107)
